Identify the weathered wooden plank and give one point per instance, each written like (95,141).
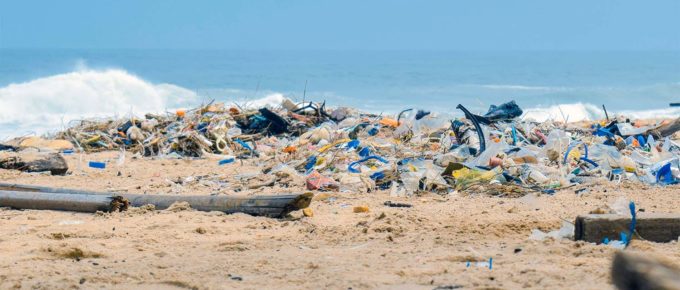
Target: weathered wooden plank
(261,205)
(656,227)
(61,201)
(637,272)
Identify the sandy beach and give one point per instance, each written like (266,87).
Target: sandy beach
(423,247)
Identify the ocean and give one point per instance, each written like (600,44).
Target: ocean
(43,90)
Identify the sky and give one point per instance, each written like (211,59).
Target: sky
(342,25)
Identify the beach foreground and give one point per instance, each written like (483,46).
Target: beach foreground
(423,247)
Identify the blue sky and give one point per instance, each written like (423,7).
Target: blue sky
(348,24)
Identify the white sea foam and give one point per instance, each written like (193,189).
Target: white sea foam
(585,112)
(41,105)
(48,104)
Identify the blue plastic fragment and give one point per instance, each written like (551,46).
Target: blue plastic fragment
(364,152)
(605,240)
(373,131)
(226,161)
(353,144)
(95,164)
(243,144)
(378,175)
(664,175)
(633,222)
(490,263)
(514,135)
(641,140)
(355,163)
(311,161)
(68,151)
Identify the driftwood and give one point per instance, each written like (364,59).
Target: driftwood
(655,227)
(637,272)
(665,130)
(62,201)
(267,205)
(34,162)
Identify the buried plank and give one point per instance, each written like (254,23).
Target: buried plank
(655,227)
(263,205)
(637,272)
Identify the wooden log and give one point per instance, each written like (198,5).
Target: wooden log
(263,205)
(665,130)
(655,227)
(62,201)
(637,272)
(34,162)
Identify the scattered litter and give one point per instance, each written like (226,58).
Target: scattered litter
(396,204)
(98,165)
(343,149)
(360,209)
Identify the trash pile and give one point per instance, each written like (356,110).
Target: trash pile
(343,149)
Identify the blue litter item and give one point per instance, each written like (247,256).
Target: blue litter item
(633,222)
(605,240)
(593,163)
(202,127)
(373,131)
(603,132)
(226,161)
(641,140)
(98,165)
(378,175)
(514,135)
(243,144)
(67,151)
(311,161)
(353,144)
(490,263)
(664,175)
(364,152)
(549,191)
(352,165)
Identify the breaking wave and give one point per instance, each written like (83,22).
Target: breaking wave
(48,103)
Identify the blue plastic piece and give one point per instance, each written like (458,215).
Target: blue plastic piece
(378,175)
(95,164)
(641,140)
(68,151)
(225,161)
(514,135)
(244,144)
(633,222)
(352,165)
(364,152)
(353,144)
(311,161)
(664,175)
(373,131)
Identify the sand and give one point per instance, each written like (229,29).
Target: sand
(422,247)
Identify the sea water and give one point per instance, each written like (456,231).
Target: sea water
(45,90)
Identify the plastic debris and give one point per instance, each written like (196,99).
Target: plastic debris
(302,144)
